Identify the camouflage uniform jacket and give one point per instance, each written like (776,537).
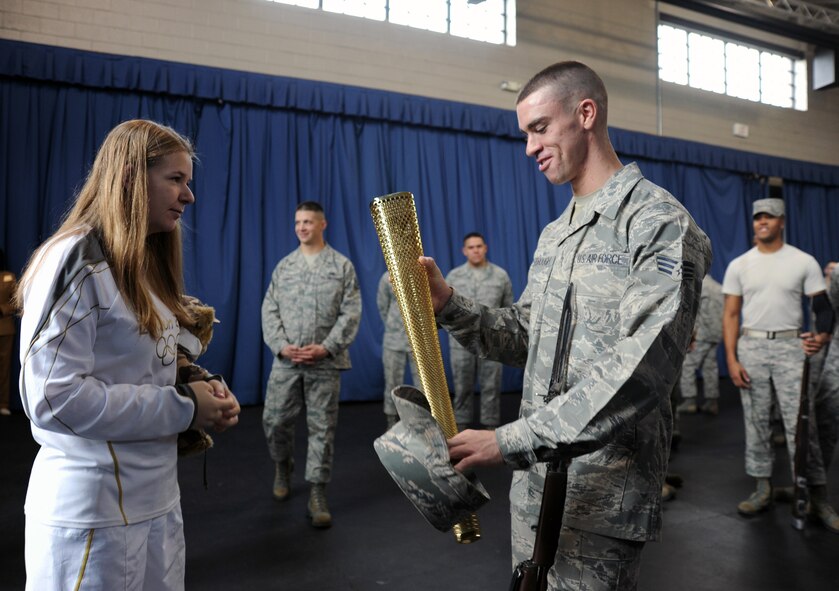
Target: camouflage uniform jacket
(490,286)
(395,338)
(709,320)
(305,305)
(830,366)
(636,259)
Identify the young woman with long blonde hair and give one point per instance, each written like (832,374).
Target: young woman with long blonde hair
(101,302)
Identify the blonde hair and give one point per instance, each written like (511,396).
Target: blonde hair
(114,203)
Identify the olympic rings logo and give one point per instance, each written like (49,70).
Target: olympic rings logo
(167,349)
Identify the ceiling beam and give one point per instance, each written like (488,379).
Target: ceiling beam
(735,11)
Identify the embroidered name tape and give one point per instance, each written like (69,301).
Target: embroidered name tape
(617,259)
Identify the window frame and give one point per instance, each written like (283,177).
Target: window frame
(508,32)
(797,98)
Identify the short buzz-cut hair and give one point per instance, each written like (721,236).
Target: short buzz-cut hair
(309,206)
(474,235)
(571,82)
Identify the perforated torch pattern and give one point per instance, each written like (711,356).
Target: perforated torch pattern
(395,218)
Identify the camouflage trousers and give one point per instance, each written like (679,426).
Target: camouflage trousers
(465,366)
(394,366)
(675,398)
(769,362)
(584,561)
(289,390)
(703,358)
(824,418)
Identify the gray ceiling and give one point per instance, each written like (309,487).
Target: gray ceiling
(812,21)
(822,15)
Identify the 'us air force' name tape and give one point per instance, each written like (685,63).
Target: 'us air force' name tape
(676,270)
(616,259)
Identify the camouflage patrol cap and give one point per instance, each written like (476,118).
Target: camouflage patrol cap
(415,454)
(772,206)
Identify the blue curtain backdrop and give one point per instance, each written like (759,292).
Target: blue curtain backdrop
(265,143)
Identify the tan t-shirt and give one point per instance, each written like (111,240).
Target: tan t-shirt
(771,285)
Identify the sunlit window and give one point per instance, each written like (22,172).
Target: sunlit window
(700,60)
(672,63)
(740,64)
(373,9)
(492,21)
(481,21)
(431,15)
(776,83)
(303,3)
(706,63)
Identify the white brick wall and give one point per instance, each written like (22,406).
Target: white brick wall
(618,39)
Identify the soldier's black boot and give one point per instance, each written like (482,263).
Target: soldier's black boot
(759,500)
(317,510)
(783,494)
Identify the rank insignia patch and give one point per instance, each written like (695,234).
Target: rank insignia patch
(675,269)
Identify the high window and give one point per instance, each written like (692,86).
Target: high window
(701,60)
(493,21)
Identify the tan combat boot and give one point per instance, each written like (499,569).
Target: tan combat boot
(282,481)
(688,406)
(820,511)
(759,500)
(317,511)
(711,407)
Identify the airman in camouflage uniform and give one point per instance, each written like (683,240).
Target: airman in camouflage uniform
(702,354)
(766,284)
(396,349)
(636,260)
(824,419)
(310,315)
(487,284)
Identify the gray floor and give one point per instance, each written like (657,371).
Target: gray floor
(239,538)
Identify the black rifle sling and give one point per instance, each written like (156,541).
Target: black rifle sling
(532,575)
(800,459)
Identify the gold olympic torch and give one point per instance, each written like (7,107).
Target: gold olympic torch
(395,218)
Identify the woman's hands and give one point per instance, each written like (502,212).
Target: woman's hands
(217,406)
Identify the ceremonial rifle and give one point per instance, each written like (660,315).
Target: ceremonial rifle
(802,444)
(532,574)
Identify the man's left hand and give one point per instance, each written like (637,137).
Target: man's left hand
(311,354)
(471,448)
(812,343)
